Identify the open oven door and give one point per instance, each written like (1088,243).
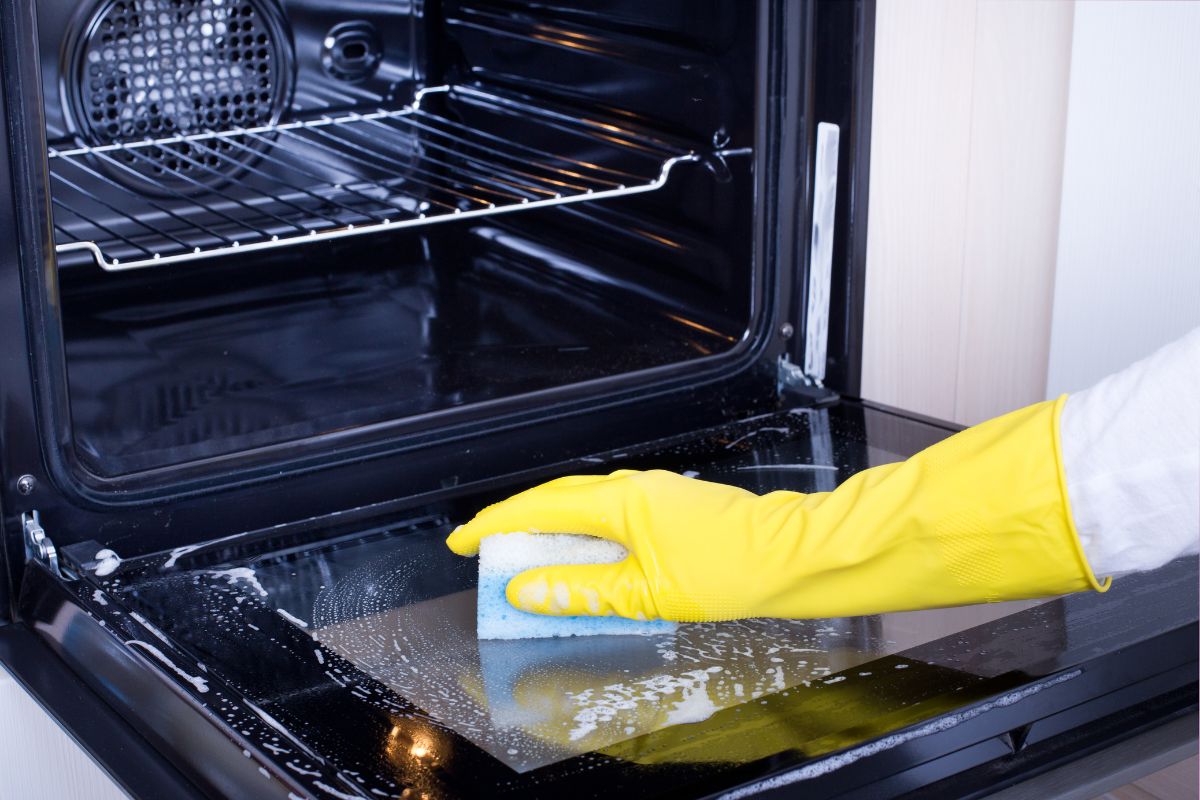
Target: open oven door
(337,658)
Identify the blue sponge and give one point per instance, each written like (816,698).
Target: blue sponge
(501,556)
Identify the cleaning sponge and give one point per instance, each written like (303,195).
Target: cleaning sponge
(502,556)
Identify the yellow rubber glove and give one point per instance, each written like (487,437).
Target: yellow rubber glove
(980,517)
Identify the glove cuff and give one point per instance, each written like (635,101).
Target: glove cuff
(1076,541)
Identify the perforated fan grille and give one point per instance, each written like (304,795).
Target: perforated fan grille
(157,68)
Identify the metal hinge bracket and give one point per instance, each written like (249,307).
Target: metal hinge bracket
(38,546)
(791,375)
(794,384)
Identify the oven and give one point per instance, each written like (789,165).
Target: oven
(292,287)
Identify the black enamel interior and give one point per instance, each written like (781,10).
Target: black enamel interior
(171,365)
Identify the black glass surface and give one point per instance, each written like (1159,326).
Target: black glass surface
(299,640)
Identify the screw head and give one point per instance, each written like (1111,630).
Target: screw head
(786,330)
(26,484)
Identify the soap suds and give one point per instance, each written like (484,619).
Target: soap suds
(301,771)
(562,597)
(162,637)
(290,618)
(180,551)
(503,556)
(599,706)
(98,596)
(235,574)
(696,706)
(109,561)
(334,792)
(198,682)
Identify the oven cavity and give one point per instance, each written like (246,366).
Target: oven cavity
(284,225)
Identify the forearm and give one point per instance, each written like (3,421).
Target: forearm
(1131,453)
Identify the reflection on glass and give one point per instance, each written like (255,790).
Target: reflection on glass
(535,702)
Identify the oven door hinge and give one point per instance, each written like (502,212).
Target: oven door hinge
(792,381)
(38,546)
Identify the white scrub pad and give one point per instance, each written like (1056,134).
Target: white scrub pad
(501,556)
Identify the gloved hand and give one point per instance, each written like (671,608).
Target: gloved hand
(980,517)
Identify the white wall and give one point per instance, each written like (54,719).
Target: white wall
(1035,197)
(1128,276)
(970,103)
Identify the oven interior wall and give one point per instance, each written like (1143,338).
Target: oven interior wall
(211,357)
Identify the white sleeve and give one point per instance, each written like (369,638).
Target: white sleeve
(1131,454)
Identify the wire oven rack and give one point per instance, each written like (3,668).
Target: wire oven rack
(187,197)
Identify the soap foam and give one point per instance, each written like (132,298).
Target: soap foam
(502,556)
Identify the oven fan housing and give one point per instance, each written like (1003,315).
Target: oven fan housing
(154,69)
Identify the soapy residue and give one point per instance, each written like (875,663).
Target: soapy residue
(534,702)
(108,562)
(290,618)
(235,574)
(602,705)
(324,787)
(199,683)
(181,551)
(145,623)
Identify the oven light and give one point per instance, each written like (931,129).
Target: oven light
(422,747)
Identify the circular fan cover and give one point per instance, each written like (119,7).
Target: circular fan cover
(158,68)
